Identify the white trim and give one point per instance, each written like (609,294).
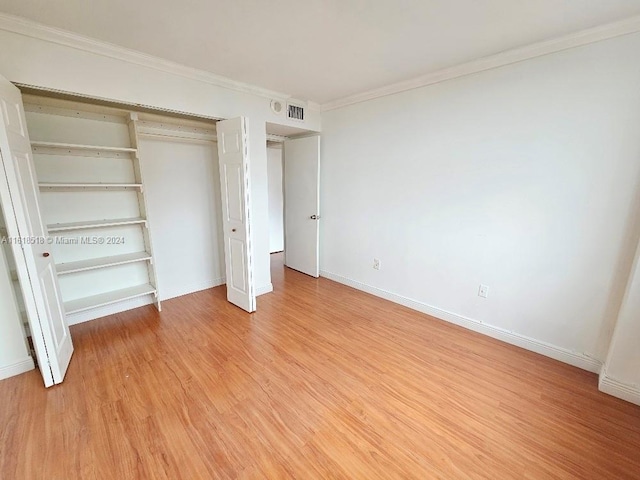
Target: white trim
(176,138)
(577,39)
(610,386)
(164,131)
(95,313)
(123,306)
(268,288)
(193,288)
(17,368)
(275,138)
(576,359)
(32,29)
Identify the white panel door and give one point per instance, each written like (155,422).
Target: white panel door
(235,190)
(302,205)
(36,268)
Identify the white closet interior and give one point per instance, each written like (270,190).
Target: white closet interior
(182,187)
(106,175)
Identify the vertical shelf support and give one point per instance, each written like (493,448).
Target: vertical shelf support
(142,202)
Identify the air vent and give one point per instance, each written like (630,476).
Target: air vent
(295,112)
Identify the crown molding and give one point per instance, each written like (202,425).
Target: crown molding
(577,39)
(39,31)
(28,28)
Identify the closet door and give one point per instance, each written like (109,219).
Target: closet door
(36,268)
(234,182)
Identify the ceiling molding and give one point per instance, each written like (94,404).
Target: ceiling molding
(583,37)
(28,28)
(39,31)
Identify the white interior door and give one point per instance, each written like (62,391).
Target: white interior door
(20,197)
(233,155)
(302,205)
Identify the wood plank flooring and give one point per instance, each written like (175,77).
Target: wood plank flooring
(322,382)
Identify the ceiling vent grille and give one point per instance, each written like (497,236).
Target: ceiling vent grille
(295,112)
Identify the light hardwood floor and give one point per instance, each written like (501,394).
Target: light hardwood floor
(322,382)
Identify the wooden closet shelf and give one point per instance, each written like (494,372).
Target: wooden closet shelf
(90,186)
(63,227)
(108,298)
(79,146)
(101,262)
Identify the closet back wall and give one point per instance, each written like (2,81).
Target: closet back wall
(182,186)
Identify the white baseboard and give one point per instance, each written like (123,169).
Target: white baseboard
(96,313)
(264,289)
(630,393)
(192,288)
(17,368)
(576,359)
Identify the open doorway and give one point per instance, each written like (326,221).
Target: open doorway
(275,177)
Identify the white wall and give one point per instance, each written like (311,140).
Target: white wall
(276,200)
(523,178)
(182,188)
(621,373)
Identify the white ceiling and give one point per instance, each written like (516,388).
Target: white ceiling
(322,50)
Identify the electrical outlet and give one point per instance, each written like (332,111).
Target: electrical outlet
(376,264)
(483,291)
